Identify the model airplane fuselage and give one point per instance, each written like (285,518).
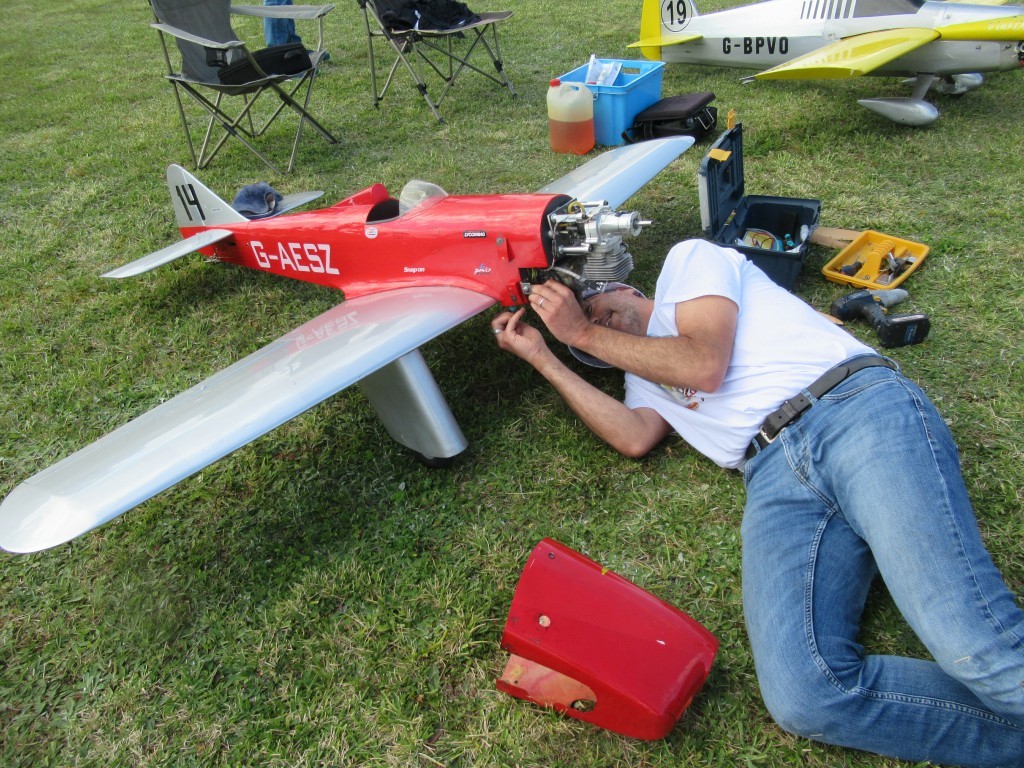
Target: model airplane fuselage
(492,244)
(495,245)
(411,268)
(941,44)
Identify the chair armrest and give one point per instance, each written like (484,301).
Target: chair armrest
(299,12)
(183,35)
(305,12)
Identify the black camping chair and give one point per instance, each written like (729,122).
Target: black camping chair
(420,50)
(220,74)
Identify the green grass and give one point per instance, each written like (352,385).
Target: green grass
(320,598)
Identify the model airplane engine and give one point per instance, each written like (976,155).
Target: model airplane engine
(587,241)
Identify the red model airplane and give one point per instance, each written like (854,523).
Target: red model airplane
(411,268)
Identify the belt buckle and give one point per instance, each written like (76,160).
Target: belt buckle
(764,436)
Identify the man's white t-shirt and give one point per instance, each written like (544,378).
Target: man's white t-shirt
(781,346)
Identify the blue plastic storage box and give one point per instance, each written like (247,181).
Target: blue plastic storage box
(637,86)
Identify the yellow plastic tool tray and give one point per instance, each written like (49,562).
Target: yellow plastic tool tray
(874,260)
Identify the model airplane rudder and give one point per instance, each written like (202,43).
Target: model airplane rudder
(659,20)
(201,216)
(195,205)
(650,29)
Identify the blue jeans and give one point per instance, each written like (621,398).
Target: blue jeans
(279,31)
(868,482)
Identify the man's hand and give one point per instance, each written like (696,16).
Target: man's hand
(634,433)
(518,337)
(556,305)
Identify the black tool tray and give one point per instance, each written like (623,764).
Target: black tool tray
(727,214)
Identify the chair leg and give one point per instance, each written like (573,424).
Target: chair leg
(302,109)
(406,44)
(206,137)
(229,126)
(233,126)
(499,63)
(373,67)
(303,117)
(452,56)
(184,125)
(421,83)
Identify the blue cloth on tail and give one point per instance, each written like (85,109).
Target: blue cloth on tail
(257,201)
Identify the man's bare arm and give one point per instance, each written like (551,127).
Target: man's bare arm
(697,358)
(631,432)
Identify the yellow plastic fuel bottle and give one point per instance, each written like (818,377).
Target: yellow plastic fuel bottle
(570,117)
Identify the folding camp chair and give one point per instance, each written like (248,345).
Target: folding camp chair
(209,50)
(445,52)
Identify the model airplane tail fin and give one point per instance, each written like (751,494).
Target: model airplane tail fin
(195,205)
(661,23)
(650,28)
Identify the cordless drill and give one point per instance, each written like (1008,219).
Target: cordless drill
(892,330)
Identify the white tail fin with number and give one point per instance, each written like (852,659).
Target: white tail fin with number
(195,205)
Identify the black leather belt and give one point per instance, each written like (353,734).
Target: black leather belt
(794,408)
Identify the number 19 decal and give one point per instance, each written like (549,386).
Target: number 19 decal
(675,14)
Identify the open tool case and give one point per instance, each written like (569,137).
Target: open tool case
(874,260)
(727,214)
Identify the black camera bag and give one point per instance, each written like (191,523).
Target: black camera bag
(287,59)
(685,115)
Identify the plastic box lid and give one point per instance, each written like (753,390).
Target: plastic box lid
(721,179)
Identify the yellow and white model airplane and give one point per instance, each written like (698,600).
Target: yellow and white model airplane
(941,45)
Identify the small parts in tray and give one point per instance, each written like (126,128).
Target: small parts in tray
(874,260)
(766,241)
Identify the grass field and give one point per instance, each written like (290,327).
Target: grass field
(319,598)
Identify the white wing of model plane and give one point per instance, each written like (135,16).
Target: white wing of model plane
(227,411)
(296,200)
(370,339)
(615,176)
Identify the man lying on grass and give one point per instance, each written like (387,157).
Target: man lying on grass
(850,472)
